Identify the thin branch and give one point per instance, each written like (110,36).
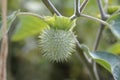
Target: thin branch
(98,37)
(73,17)
(87,65)
(102,12)
(97,42)
(82,58)
(95,70)
(77,7)
(4,44)
(93,18)
(83,5)
(51,7)
(103,17)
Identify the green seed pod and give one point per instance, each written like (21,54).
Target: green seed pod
(57,45)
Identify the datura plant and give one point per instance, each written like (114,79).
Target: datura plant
(57,42)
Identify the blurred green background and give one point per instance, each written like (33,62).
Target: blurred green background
(25,61)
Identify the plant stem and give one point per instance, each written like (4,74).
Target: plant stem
(96,44)
(77,6)
(95,70)
(94,18)
(51,7)
(4,43)
(103,17)
(81,57)
(92,70)
(99,35)
(76,9)
(102,12)
(84,3)
(91,17)
(73,17)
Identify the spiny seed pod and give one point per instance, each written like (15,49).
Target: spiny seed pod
(57,45)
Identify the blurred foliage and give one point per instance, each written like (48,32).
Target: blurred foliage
(28,26)
(115,48)
(113,9)
(10,20)
(114,22)
(25,61)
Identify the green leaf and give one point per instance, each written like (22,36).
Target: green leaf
(114,21)
(10,20)
(114,48)
(104,63)
(60,22)
(116,71)
(100,61)
(108,60)
(29,25)
(111,59)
